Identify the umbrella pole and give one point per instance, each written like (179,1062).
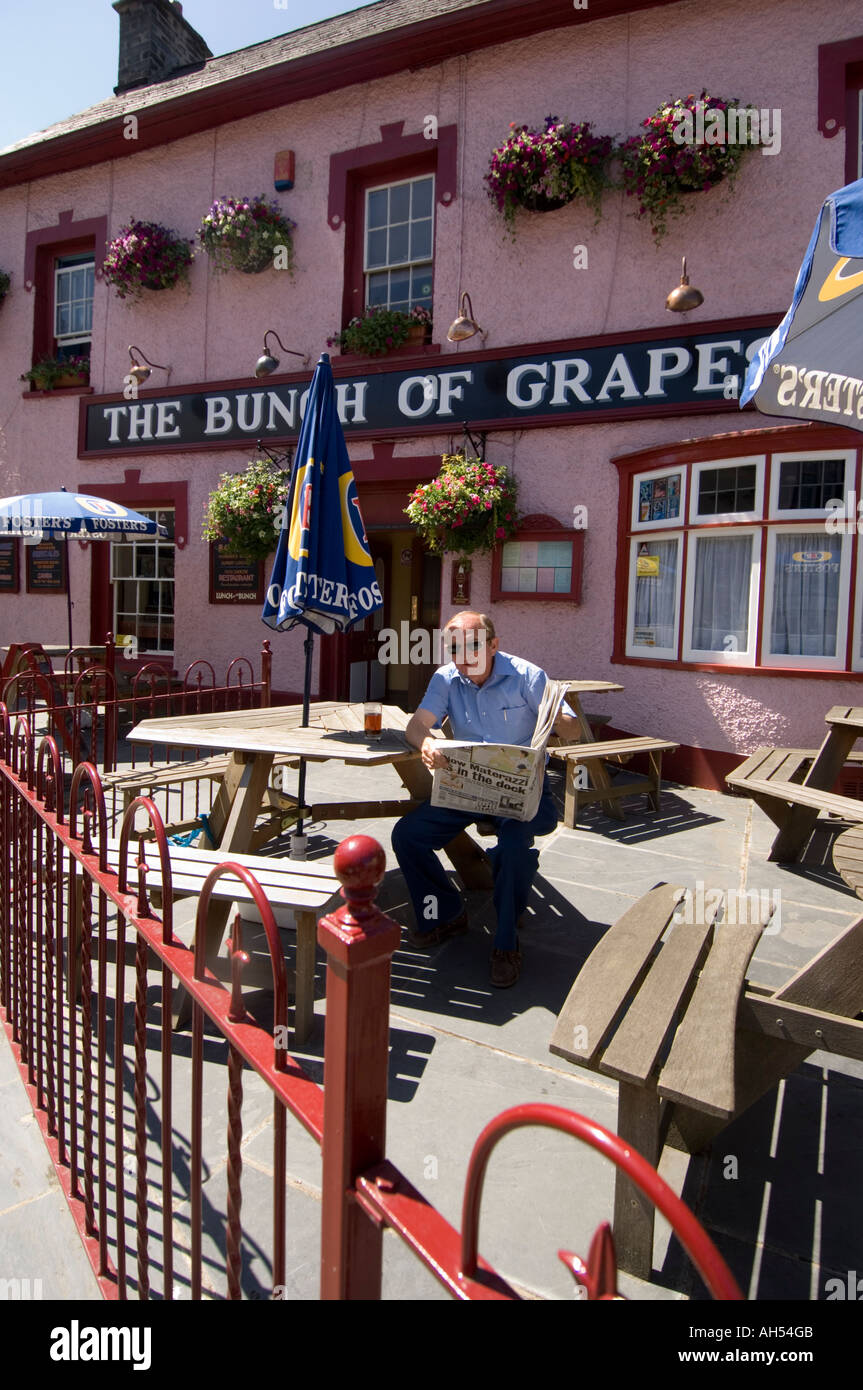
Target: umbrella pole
(298,839)
(68,591)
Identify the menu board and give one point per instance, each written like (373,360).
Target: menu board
(9,566)
(233,577)
(46,567)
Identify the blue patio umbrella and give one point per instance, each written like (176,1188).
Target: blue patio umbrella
(58,515)
(811,366)
(323,576)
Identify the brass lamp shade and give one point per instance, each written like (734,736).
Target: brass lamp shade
(684,296)
(465,325)
(138,371)
(267,363)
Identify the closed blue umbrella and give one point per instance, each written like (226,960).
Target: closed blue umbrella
(59,515)
(323,576)
(810,366)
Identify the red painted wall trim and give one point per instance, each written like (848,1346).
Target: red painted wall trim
(373,57)
(393,146)
(833,61)
(135,494)
(66,230)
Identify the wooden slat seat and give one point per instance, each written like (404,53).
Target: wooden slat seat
(792,785)
(593,755)
(796,794)
(305,888)
(663,1005)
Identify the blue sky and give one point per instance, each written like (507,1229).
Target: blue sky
(60,56)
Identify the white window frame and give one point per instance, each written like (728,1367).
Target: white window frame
(857,637)
(708,657)
(806,663)
(66,340)
(390,266)
(638,650)
(132,544)
(802,455)
(662,523)
(697,518)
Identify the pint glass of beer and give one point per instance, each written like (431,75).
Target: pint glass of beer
(372,720)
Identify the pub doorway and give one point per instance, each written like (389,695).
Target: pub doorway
(410,581)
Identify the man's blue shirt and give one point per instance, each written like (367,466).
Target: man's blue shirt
(501,710)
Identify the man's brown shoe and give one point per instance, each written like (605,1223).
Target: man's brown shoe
(425,940)
(505,968)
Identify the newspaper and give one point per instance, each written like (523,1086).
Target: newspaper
(498,779)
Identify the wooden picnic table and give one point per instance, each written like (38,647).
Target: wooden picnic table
(793,798)
(663,1005)
(848,857)
(253,738)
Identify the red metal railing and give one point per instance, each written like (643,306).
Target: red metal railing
(87,974)
(87,708)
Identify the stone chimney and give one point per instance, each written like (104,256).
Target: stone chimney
(155,42)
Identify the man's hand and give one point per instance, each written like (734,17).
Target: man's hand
(418,734)
(568,727)
(431,754)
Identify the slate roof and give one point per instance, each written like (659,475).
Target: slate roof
(378,20)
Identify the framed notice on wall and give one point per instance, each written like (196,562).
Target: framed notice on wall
(9,577)
(46,567)
(233,578)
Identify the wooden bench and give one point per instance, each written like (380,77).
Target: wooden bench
(154,777)
(780,779)
(302,887)
(664,1007)
(592,755)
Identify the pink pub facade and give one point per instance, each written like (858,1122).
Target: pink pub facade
(668,541)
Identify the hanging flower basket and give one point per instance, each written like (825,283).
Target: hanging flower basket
(245,510)
(470,506)
(146,256)
(5,282)
(542,170)
(248,234)
(381,330)
(688,145)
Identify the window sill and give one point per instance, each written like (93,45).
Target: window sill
(801,672)
(406,350)
(58,391)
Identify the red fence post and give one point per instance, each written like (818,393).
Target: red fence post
(359,941)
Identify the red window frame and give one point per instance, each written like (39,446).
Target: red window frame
(396,156)
(541,527)
(724,448)
(66,238)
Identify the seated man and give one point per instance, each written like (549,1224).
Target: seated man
(489,697)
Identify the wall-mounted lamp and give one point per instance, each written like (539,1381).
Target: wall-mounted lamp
(137,372)
(465,326)
(267,363)
(684,296)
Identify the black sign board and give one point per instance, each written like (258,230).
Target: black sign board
(233,578)
(46,567)
(670,371)
(9,580)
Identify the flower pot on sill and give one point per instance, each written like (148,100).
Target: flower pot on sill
(70,379)
(417,334)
